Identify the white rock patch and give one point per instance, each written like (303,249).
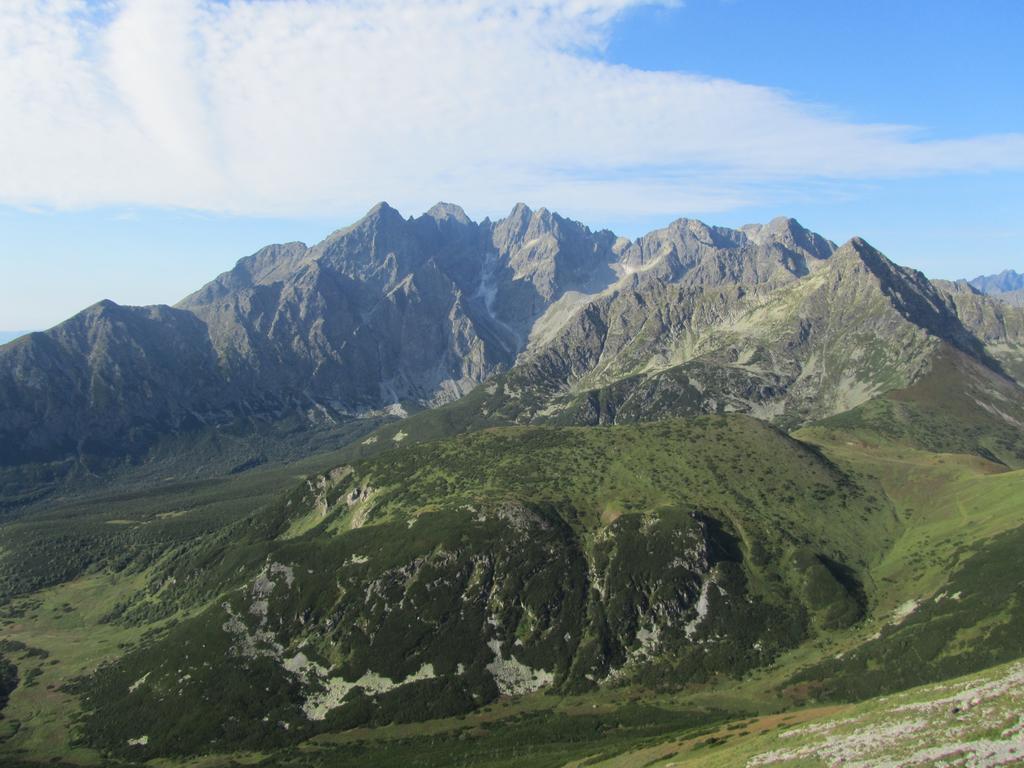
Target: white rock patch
(302,666)
(337,688)
(248,644)
(277,569)
(135,686)
(512,676)
(396,409)
(702,610)
(902,612)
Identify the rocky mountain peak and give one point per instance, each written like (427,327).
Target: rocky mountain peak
(913,295)
(880,265)
(512,229)
(519,212)
(786,230)
(101,306)
(448,212)
(543,222)
(859,255)
(381,216)
(381,211)
(790,234)
(786,227)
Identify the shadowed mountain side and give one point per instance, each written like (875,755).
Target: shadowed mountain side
(105,382)
(437,578)
(994,320)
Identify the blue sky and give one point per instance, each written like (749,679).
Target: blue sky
(154,143)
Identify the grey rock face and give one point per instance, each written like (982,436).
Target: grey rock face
(692,252)
(996,320)
(415,312)
(784,338)
(385,312)
(1013,298)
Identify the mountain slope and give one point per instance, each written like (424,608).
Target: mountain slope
(854,326)
(713,561)
(1013,298)
(971,720)
(958,406)
(296,346)
(386,313)
(692,568)
(997,323)
(852,329)
(104,382)
(430,580)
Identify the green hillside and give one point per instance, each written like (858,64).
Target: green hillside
(957,406)
(600,589)
(439,577)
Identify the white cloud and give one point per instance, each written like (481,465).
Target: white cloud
(315,106)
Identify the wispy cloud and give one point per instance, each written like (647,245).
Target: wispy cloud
(315,106)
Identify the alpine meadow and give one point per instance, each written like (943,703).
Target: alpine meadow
(510,489)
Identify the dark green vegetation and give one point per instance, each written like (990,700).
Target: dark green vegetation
(500,562)
(130,524)
(196,454)
(543,738)
(713,566)
(8,681)
(976,621)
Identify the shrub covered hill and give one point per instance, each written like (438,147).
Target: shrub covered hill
(653,492)
(429,581)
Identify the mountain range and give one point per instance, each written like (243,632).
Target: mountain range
(1006,281)
(392,315)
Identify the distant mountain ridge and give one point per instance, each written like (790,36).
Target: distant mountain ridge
(393,314)
(1005,282)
